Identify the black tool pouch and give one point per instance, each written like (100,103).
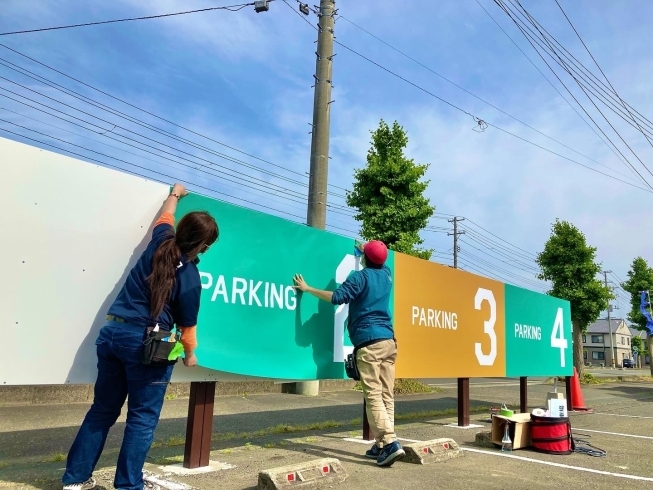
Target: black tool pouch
(156,352)
(351,366)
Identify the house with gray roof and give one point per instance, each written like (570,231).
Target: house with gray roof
(597,348)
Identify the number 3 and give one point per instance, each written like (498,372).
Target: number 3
(488,328)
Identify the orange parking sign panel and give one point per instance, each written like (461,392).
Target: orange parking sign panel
(448,323)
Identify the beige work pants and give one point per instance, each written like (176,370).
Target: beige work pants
(376,365)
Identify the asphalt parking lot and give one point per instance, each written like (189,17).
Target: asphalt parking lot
(252,433)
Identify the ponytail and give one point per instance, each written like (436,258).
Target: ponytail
(162,279)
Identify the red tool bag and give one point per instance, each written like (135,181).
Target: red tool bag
(552,435)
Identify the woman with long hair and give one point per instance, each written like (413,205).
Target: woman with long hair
(162,291)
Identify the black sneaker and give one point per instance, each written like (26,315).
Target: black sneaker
(389,454)
(374,452)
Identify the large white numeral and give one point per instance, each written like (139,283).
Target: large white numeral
(340,351)
(488,328)
(558,340)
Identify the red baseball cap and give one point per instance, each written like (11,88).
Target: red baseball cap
(376,252)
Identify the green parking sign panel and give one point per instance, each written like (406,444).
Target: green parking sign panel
(251,320)
(538,334)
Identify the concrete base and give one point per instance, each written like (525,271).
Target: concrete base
(319,473)
(470,426)
(308,388)
(178,469)
(434,451)
(51,394)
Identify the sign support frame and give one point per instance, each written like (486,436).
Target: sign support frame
(199,425)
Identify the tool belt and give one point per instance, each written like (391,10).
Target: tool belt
(351,363)
(351,368)
(161,347)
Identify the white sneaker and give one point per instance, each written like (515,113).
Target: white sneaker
(147,483)
(87,485)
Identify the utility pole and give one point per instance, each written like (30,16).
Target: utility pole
(455,234)
(317,183)
(612,352)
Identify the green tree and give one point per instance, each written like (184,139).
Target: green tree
(568,262)
(640,278)
(388,194)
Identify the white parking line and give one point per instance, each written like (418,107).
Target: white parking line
(619,415)
(361,441)
(613,433)
(558,465)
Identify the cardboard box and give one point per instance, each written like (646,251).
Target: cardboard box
(519,429)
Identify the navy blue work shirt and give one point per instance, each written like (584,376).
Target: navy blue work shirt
(133,301)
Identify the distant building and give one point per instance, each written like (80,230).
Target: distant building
(646,359)
(596,343)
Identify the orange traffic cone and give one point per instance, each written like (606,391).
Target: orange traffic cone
(577,400)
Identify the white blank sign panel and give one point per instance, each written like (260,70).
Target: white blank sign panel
(71,231)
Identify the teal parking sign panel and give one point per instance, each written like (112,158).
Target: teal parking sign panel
(538,334)
(251,320)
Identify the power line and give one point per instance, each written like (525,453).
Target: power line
(131,119)
(623,103)
(584,72)
(524,268)
(620,158)
(275,188)
(488,272)
(135,165)
(594,80)
(134,133)
(514,276)
(85,157)
(501,249)
(495,236)
(494,245)
(153,115)
(531,40)
(240,175)
(617,277)
(274,192)
(467,112)
(231,8)
(474,95)
(478,119)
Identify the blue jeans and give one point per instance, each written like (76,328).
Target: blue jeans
(120,373)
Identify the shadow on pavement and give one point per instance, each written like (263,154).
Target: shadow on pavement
(638,393)
(37,447)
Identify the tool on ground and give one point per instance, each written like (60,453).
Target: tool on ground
(505,411)
(584,447)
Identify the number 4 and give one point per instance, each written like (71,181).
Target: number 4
(558,340)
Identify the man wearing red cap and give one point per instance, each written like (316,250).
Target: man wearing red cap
(367,292)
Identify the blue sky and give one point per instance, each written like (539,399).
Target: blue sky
(245,79)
